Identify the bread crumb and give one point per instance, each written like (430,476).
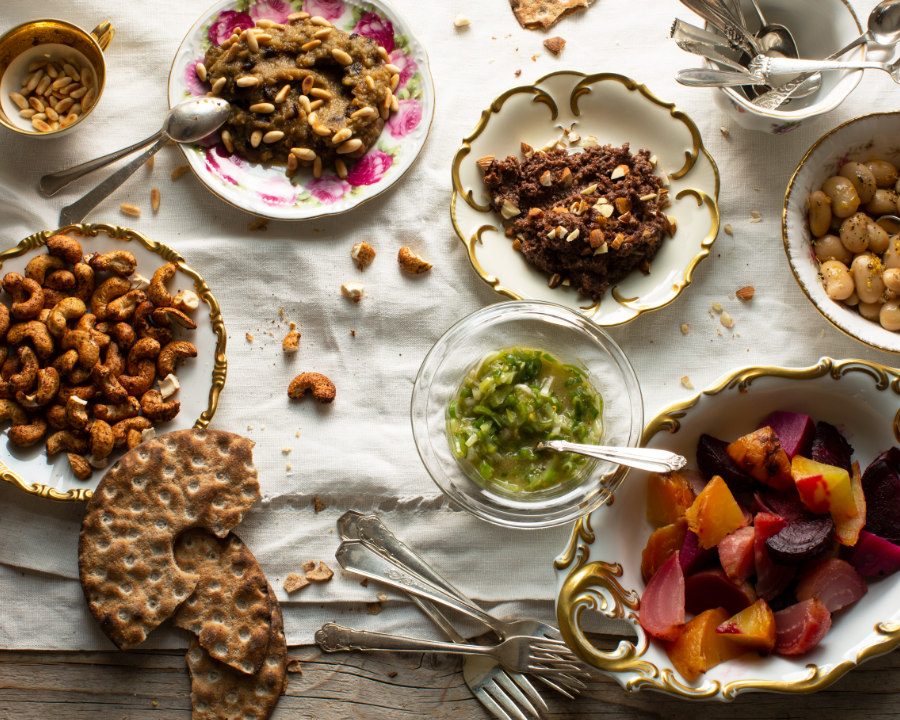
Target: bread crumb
(318,504)
(729,230)
(286,450)
(686,382)
(518,73)
(716,308)
(685,328)
(294,582)
(248,337)
(555,45)
(726,320)
(291,342)
(294,666)
(288,467)
(392,674)
(755,216)
(373,608)
(258,224)
(726,133)
(317,572)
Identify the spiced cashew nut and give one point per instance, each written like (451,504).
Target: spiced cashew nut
(24,379)
(116,413)
(117,262)
(123,428)
(169,316)
(66,440)
(123,334)
(82,342)
(102,439)
(65,247)
(156,409)
(69,309)
(110,289)
(157,291)
(27,295)
(108,384)
(172,354)
(122,308)
(62,280)
(35,332)
(11,411)
(46,391)
(40,265)
(84,281)
(75,413)
(4,321)
(29,434)
(322,389)
(81,468)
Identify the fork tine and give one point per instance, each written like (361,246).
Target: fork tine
(512,689)
(490,704)
(546,670)
(495,691)
(560,688)
(572,682)
(525,684)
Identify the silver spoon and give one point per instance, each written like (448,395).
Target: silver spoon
(763,68)
(188,121)
(710,77)
(649,459)
(774,37)
(883,29)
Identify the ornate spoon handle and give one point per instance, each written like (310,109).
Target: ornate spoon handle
(650,459)
(336,638)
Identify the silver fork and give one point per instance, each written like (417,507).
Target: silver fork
(517,654)
(506,695)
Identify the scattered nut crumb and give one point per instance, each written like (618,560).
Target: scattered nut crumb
(294,582)
(258,224)
(726,133)
(411,262)
(151,163)
(248,337)
(318,504)
(130,210)
(364,582)
(297,434)
(535,57)
(382,598)
(461,22)
(373,608)
(178,172)
(353,291)
(154,199)
(518,73)
(288,467)
(286,450)
(746,293)
(363,255)
(555,45)
(291,342)
(294,666)
(154,702)
(392,674)
(686,382)
(685,328)
(317,572)
(729,230)
(353,333)
(726,320)
(755,216)
(716,308)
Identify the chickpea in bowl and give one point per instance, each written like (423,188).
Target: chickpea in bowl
(842,229)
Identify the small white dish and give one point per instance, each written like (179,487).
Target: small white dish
(201,378)
(615,110)
(600,569)
(862,138)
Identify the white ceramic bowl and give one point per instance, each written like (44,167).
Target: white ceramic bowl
(615,110)
(820,27)
(600,569)
(863,138)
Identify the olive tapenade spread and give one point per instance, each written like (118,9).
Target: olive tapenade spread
(586,218)
(302,93)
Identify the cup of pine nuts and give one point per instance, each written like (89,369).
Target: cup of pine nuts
(52,74)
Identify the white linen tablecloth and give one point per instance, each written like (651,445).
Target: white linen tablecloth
(359,453)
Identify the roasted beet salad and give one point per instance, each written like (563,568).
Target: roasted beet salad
(585,218)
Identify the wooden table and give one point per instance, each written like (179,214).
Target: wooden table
(154,685)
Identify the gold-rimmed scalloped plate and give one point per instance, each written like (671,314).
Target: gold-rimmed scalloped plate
(613,109)
(201,378)
(600,567)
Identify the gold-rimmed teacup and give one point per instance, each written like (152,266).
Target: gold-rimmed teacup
(26,51)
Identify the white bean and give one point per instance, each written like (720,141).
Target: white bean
(830,247)
(889,316)
(870,311)
(855,233)
(837,280)
(866,270)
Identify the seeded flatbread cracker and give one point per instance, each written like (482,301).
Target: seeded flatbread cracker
(184,479)
(229,611)
(544,13)
(219,692)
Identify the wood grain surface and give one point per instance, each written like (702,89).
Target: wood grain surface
(154,685)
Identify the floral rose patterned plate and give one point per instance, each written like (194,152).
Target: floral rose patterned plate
(266,190)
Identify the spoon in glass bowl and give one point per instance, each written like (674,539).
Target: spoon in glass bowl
(774,38)
(187,122)
(639,458)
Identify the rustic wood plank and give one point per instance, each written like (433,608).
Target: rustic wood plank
(154,685)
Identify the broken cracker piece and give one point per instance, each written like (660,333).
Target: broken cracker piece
(544,13)
(319,572)
(294,582)
(318,504)
(291,342)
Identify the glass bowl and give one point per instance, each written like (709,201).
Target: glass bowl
(573,339)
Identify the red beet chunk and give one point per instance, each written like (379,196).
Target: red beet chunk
(801,539)
(881,485)
(771,577)
(785,504)
(710,589)
(831,447)
(875,557)
(799,628)
(712,459)
(662,604)
(795,431)
(833,582)
(693,557)
(736,553)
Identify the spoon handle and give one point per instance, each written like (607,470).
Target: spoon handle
(80,208)
(52,183)
(703,77)
(649,459)
(769,66)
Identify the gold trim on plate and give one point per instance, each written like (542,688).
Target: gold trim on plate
(582,88)
(220,365)
(595,585)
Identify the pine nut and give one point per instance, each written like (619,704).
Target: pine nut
(226,140)
(321,130)
(292,163)
(61,82)
(52,71)
(36,65)
(364,113)
(349,146)
(255,138)
(312,119)
(19,100)
(218,85)
(154,200)
(71,71)
(33,82)
(341,135)
(307,85)
(200,69)
(297,16)
(384,54)
(88,100)
(311,45)
(395,81)
(273,136)
(282,94)
(263,108)
(64,105)
(316,104)
(341,56)
(322,34)
(27,114)
(75,109)
(247,81)
(250,39)
(40,125)
(54,125)
(79,93)
(36,104)
(52,114)
(317,167)
(393,69)
(130,210)
(341,168)
(370,82)
(43,85)
(86,77)
(67,90)
(318,20)
(305,104)
(304,154)
(395,104)
(67,121)
(266,23)
(320,93)
(39,116)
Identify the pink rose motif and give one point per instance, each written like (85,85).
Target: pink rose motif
(328,9)
(406,64)
(194,85)
(406,119)
(215,167)
(328,189)
(370,168)
(372,25)
(274,10)
(225,25)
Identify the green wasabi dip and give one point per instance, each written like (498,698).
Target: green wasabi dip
(511,401)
